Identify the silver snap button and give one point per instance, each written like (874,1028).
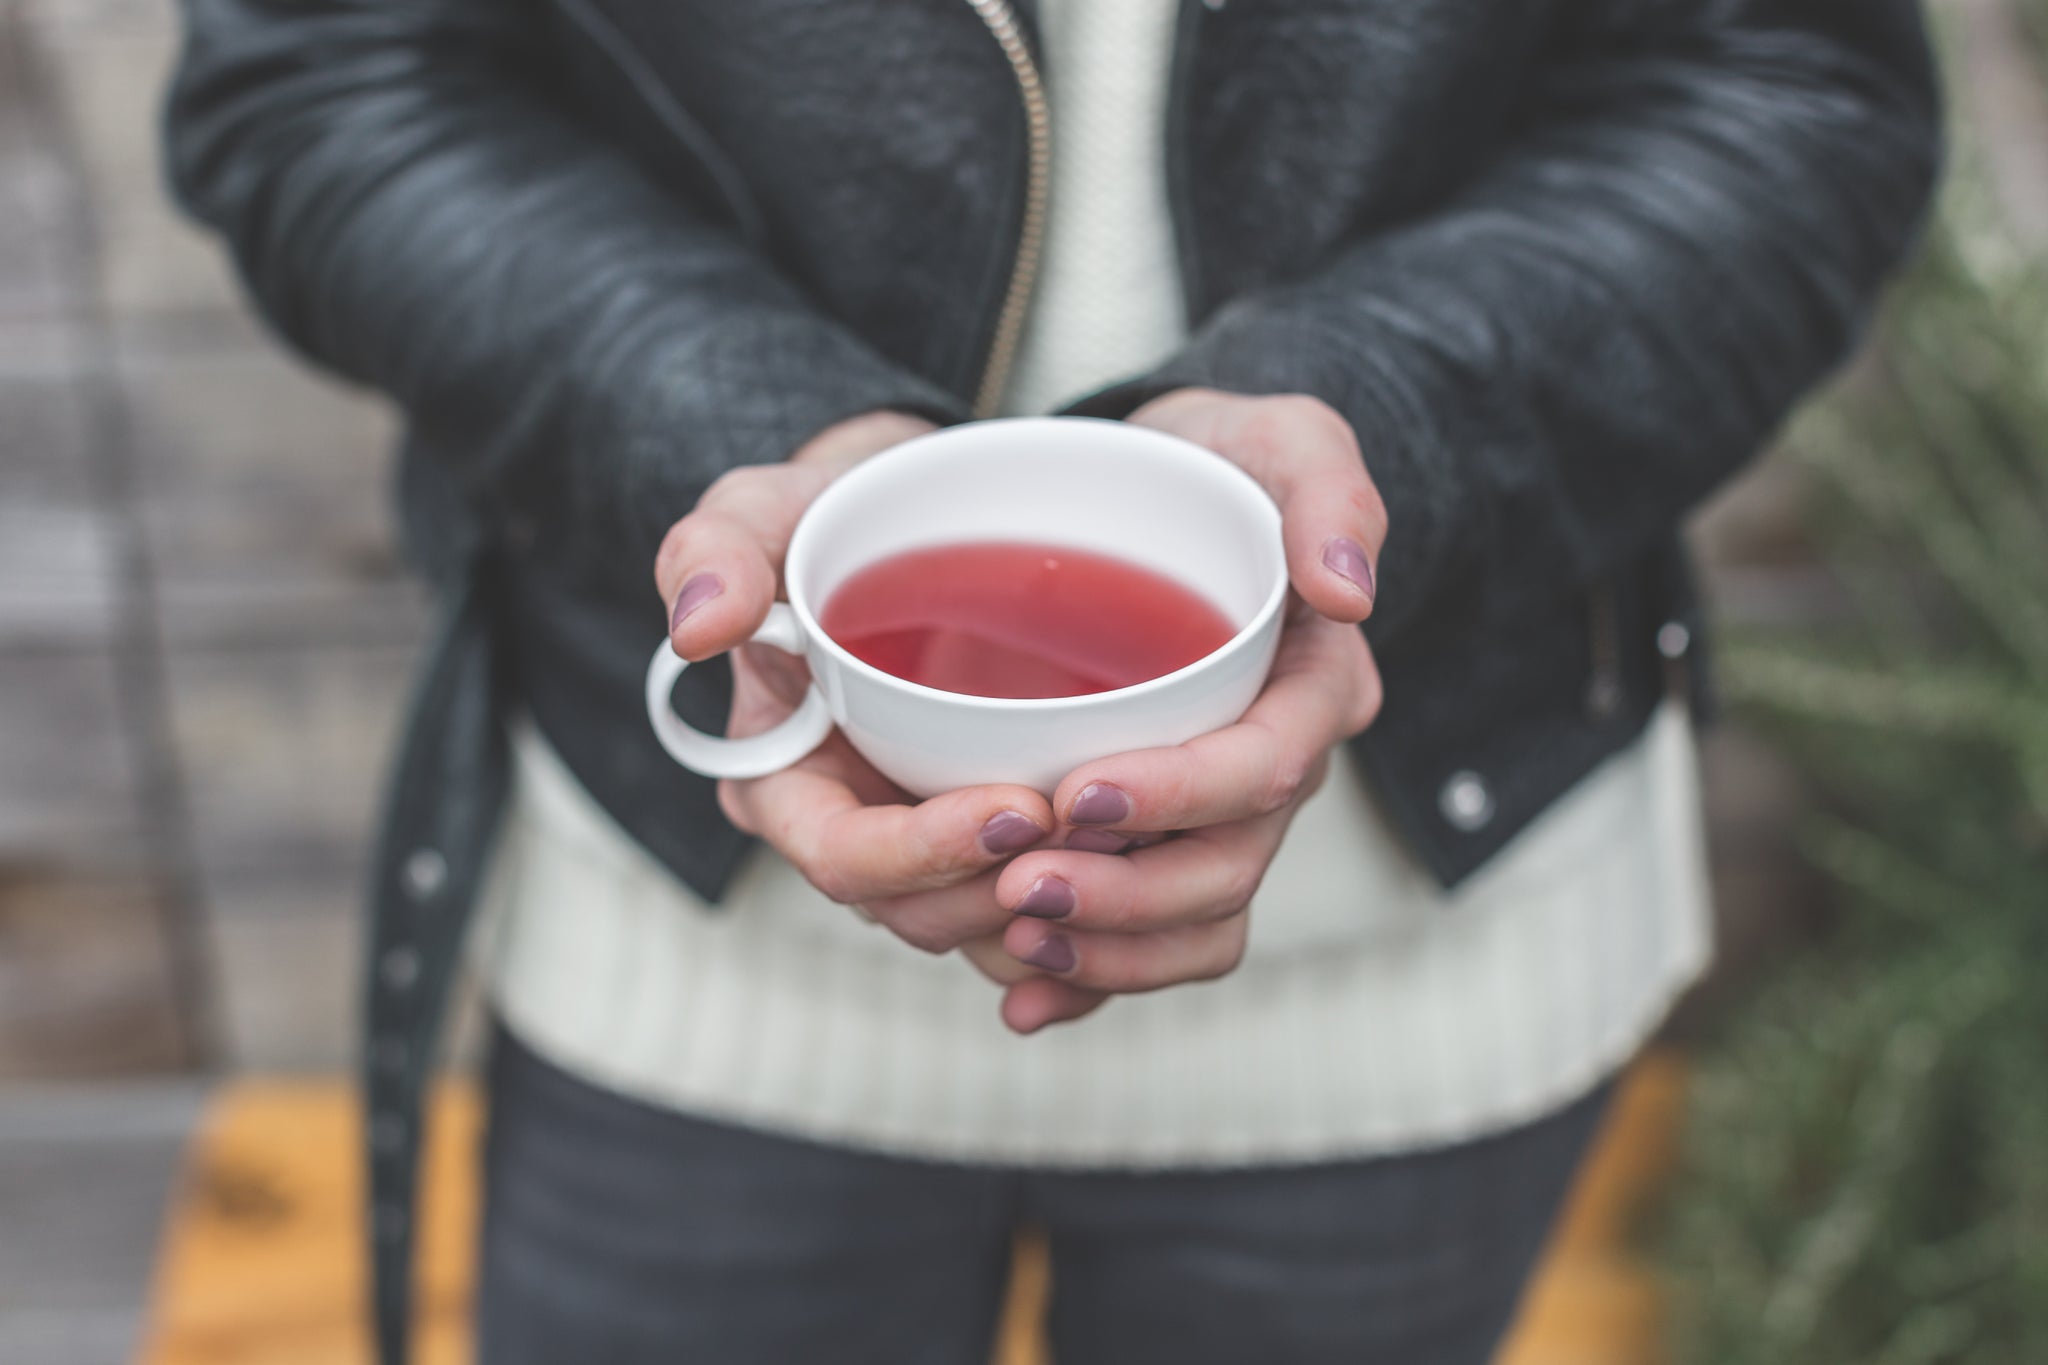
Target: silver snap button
(1466,801)
(1673,640)
(399,968)
(425,873)
(1215,4)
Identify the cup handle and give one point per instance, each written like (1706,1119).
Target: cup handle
(756,755)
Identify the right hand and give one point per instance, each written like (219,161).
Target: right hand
(852,833)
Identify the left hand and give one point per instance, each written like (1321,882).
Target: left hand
(1089,924)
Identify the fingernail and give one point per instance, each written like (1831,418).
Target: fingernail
(1055,954)
(1100,804)
(695,594)
(1007,831)
(1048,898)
(1097,841)
(1343,557)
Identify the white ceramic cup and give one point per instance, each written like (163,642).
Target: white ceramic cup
(1122,490)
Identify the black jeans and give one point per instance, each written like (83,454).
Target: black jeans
(620,1234)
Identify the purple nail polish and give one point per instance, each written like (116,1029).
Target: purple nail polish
(1343,557)
(1056,954)
(695,593)
(1007,831)
(1048,898)
(1101,804)
(1097,841)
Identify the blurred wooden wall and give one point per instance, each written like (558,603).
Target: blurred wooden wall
(203,632)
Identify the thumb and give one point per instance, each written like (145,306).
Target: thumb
(1305,455)
(720,567)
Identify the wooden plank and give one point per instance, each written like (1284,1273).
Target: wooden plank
(57,576)
(85,989)
(262,1261)
(265,495)
(39,249)
(287,962)
(108,76)
(67,780)
(84,1173)
(1593,1302)
(284,751)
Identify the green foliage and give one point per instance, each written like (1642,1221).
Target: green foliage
(1866,1180)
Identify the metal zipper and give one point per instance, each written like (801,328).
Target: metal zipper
(1001,20)
(1603,635)
(1179,90)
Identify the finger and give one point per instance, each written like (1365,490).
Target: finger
(719,567)
(1123,964)
(859,854)
(767,686)
(1323,689)
(1305,454)
(989,958)
(1207,876)
(948,918)
(1040,1002)
(1332,521)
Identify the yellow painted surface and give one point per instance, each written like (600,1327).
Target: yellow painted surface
(262,1260)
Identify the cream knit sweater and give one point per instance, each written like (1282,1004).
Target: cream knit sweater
(1373,1012)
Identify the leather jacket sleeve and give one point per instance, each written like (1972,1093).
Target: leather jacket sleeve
(409,210)
(1546,372)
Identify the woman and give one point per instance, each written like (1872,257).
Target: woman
(1488,294)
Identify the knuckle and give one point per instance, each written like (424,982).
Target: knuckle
(1285,786)
(1318,774)
(1228,955)
(1301,407)
(1320,418)
(1122,979)
(832,883)
(1120,912)
(1367,700)
(1240,885)
(1178,788)
(734,486)
(1268,424)
(1297,417)
(1231,959)
(1362,503)
(930,858)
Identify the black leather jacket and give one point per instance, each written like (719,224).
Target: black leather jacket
(1563,264)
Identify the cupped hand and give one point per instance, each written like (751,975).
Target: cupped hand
(1143,879)
(1090,924)
(851,832)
